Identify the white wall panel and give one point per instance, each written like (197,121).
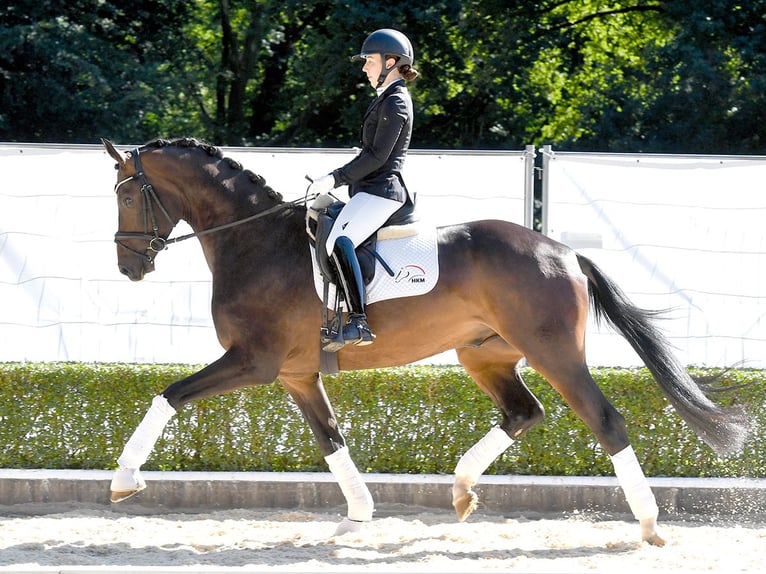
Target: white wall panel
(684,233)
(63,299)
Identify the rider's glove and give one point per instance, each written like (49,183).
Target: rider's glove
(323,184)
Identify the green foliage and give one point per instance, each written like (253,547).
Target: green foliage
(414,419)
(70,71)
(624,75)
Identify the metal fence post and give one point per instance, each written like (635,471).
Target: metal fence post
(547,157)
(529,186)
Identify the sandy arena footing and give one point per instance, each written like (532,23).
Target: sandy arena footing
(61,522)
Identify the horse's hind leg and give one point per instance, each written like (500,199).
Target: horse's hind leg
(569,375)
(494,367)
(550,331)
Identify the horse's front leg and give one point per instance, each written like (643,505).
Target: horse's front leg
(223,375)
(309,394)
(127,479)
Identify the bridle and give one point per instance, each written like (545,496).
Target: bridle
(155,241)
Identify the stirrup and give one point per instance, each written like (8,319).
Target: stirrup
(356,331)
(331,340)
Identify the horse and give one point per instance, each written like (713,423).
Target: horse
(504,293)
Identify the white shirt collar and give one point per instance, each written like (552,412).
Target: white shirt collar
(382,89)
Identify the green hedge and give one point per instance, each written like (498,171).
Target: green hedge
(416,419)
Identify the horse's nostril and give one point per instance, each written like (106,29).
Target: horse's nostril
(124,270)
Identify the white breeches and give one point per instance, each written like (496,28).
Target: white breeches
(361,217)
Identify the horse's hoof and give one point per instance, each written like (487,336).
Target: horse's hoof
(125,483)
(649,533)
(465,504)
(348,525)
(655,540)
(120,495)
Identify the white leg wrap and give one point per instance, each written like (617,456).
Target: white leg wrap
(127,480)
(476,460)
(358,497)
(142,441)
(634,484)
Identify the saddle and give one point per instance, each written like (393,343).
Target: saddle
(320,218)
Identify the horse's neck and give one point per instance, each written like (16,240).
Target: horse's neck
(217,201)
(264,231)
(231,213)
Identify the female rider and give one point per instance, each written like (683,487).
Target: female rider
(376,189)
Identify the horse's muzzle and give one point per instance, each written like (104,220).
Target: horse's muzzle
(136,273)
(131,273)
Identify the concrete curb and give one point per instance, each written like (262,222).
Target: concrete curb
(39,491)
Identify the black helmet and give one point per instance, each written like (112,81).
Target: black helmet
(388,42)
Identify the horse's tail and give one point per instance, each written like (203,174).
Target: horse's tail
(723,429)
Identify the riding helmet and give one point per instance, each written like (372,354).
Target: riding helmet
(388,42)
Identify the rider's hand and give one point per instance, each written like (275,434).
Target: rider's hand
(322,184)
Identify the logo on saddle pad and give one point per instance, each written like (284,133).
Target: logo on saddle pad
(414,259)
(411,273)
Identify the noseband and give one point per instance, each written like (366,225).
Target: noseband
(155,241)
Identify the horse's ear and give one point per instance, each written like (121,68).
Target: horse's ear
(112,151)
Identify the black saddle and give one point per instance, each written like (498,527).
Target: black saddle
(321,217)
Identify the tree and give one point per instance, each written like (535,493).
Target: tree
(710,80)
(676,76)
(604,75)
(72,71)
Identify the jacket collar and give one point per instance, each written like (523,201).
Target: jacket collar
(383,90)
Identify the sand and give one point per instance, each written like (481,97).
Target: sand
(70,539)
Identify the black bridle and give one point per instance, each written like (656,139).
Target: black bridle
(155,241)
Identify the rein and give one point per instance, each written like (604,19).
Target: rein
(157,242)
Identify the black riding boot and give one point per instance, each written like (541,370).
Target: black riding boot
(356,331)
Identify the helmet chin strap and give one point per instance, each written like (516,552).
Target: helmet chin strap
(384,71)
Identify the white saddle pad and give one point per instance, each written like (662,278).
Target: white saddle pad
(413,259)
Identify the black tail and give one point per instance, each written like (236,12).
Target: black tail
(723,429)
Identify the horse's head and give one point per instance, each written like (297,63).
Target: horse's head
(144,222)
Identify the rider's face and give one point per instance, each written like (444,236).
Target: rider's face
(373,66)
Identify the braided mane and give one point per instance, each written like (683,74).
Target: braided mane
(215,152)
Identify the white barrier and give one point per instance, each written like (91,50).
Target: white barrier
(684,233)
(675,232)
(63,299)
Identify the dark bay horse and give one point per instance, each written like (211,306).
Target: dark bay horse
(504,293)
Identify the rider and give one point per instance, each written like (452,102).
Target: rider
(376,187)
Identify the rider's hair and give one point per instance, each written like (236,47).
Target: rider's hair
(408,72)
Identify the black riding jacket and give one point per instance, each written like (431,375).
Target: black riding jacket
(385,138)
